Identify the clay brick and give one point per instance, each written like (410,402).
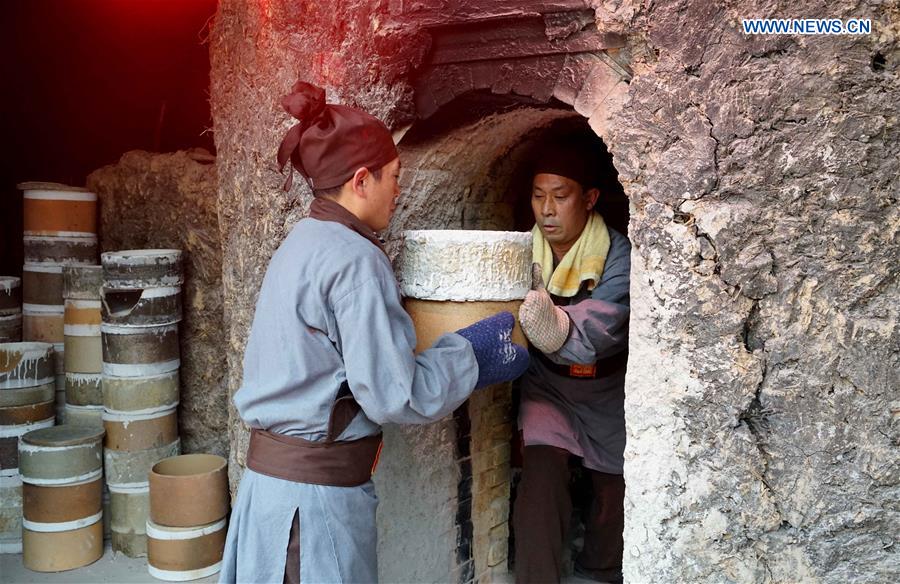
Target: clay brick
(498,552)
(500,532)
(498,513)
(481,462)
(502,432)
(500,454)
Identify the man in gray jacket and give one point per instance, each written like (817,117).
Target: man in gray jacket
(572,397)
(330,358)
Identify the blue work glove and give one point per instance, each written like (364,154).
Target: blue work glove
(499,359)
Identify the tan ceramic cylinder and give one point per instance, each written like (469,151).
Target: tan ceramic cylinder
(27,414)
(10,514)
(59,210)
(128,513)
(84,354)
(83,345)
(140,351)
(84,389)
(432,319)
(174,483)
(142,306)
(91,416)
(82,317)
(139,432)
(11,327)
(27,395)
(42,323)
(61,455)
(185,553)
(61,250)
(61,497)
(57,551)
(10,295)
(82,282)
(62,503)
(142,268)
(451,279)
(42,284)
(141,394)
(9,443)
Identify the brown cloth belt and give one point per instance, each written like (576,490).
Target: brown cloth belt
(601,368)
(338,464)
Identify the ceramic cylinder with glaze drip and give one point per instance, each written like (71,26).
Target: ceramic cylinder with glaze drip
(10,309)
(27,388)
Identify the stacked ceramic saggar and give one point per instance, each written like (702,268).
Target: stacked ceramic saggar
(186,532)
(26,404)
(60,229)
(140,309)
(10,309)
(62,472)
(83,348)
(451,279)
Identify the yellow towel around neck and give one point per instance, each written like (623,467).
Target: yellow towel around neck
(584,261)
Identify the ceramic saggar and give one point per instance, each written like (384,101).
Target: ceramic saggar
(452,279)
(62,508)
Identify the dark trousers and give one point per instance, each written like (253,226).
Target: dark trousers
(543,508)
(292,561)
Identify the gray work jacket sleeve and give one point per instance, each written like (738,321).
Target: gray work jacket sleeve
(388,380)
(600,320)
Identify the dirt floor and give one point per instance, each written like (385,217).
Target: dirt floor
(119,569)
(112,568)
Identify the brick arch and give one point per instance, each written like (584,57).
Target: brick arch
(541,53)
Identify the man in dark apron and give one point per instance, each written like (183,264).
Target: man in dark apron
(330,358)
(572,397)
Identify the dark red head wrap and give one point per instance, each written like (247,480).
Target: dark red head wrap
(331,141)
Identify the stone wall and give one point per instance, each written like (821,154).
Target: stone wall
(169,201)
(761,395)
(763,373)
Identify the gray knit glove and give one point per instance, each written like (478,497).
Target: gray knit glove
(545,324)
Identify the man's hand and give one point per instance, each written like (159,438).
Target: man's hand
(545,325)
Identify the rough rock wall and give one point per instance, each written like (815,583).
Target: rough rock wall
(169,200)
(762,175)
(762,395)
